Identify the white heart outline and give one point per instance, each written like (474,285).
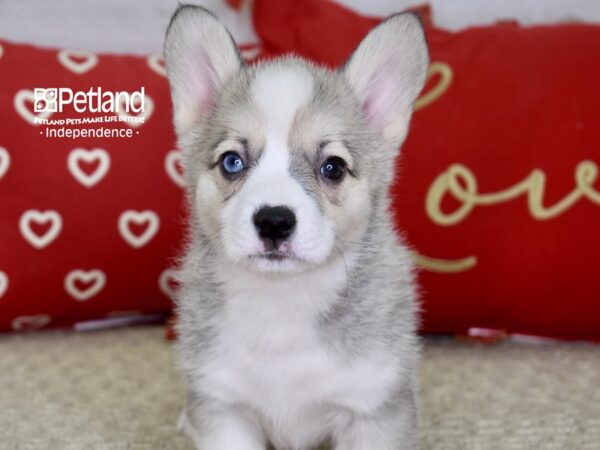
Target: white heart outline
(40,242)
(132,215)
(4,281)
(19,103)
(95,154)
(30,323)
(73,276)
(157,63)
(4,161)
(65,58)
(163,282)
(171,160)
(148,110)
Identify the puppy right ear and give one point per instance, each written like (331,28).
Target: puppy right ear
(200,57)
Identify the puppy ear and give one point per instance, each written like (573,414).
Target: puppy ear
(200,57)
(387,71)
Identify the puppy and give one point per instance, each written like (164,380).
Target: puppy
(297,310)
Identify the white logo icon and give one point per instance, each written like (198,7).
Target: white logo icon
(45,100)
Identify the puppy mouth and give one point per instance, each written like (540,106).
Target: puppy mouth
(274,255)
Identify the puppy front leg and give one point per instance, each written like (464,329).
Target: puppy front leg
(396,430)
(222,429)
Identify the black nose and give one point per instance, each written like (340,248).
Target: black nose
(274,222)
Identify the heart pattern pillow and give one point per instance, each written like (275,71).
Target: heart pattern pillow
(89,226)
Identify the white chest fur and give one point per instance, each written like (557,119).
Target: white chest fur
(271,357)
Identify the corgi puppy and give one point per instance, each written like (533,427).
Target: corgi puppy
(297,308)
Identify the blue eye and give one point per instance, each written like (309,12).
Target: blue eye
(333,168)
(232,163)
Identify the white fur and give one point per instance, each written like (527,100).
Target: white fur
(271,358)
(209,60)
(278,93)
(387,71)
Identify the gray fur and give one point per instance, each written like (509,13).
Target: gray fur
(375,312)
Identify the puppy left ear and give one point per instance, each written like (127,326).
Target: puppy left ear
(200,57)
(387,71)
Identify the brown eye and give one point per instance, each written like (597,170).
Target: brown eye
(333,168)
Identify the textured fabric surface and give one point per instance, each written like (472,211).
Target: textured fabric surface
(119,390)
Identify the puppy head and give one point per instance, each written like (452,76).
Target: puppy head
(285,162)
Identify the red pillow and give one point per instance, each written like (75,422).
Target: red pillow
(498,190)
(88,226)
(503,103)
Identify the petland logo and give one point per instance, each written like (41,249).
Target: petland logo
(97,113)
(93,101)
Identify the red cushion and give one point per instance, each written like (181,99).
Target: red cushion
(504,102)
(520,120)
(88,226)
(514,112)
